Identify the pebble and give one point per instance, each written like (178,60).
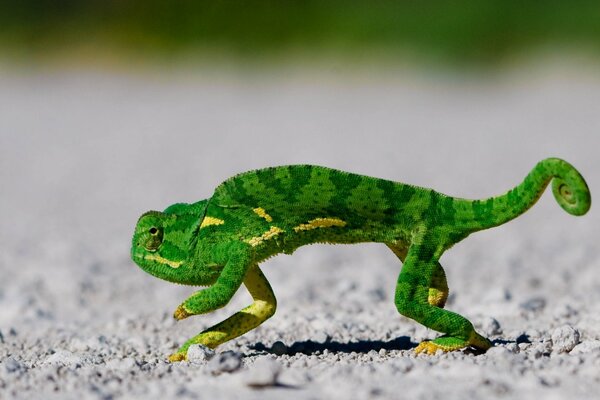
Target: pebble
(11,365)
(263,373)
(402,365)
(199,354)
(542,348)
(564,339)
(534,305)
(124,364)
(63,357)
(490,326)
(320,337)
(564,311)
(512,347)
(227,361)
(533,334)
(498,352)
(588,346)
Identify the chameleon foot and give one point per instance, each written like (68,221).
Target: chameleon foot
(429,347)
(449,343)
(181,313)
(179,356)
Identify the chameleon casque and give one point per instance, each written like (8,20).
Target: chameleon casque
(219,242)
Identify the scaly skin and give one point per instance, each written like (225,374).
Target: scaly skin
(219,242)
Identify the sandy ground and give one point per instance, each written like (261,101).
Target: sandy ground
(83,154)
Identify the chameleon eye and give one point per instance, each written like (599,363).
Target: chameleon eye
(155,239)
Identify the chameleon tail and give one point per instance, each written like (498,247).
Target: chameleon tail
(568,186)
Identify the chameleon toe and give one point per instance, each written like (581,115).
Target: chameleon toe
(176,357)
(430,347)
(180,313)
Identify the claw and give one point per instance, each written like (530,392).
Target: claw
(179,356)
(428,347)
(181,313)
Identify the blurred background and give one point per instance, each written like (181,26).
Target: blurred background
(488,33)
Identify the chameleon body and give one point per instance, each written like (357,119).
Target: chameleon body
(219,242)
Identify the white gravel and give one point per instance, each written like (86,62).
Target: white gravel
(83,154)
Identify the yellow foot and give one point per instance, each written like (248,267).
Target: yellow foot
(181,313)
(179,356)
(428,347)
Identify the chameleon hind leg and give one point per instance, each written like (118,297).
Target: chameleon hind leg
(438,288)
(420,274)
(261,309)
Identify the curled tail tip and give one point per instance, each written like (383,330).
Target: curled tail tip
(569,188)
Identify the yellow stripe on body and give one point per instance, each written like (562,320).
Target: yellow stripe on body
(262,213)
(271,233)
(320,223)
(162,260)
(208,221)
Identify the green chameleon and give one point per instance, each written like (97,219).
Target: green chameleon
(220,241)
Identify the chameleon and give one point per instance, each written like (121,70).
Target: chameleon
(219,242)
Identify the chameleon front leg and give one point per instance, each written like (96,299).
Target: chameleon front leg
(260,310)
(421,272)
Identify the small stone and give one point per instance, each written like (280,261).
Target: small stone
(564,339)
(497,295)
(199,354)
(587,346)
(1,337)
(227,361)
(533,334)
(279,348)
(564,311)
(11,365)
(263,373)
(512,347)
(490,326)
(524,346)
(541,348)
(497,387)
(320,337)
(498,352)
(63,357)
(77,345)
(402,365)
(125,364)
(534,305)
(549,380)
(294,377)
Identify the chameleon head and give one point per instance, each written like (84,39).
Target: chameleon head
(164,244)
(153,248)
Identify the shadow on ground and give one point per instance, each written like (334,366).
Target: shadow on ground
(363,346)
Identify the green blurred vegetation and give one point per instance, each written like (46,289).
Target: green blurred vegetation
(485,32)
